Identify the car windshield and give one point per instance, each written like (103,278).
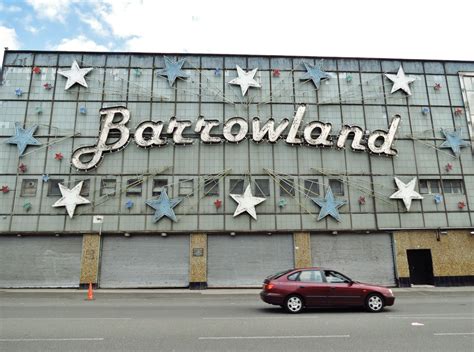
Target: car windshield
(277,275)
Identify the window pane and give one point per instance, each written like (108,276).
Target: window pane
(86,187)
(134,187)
(236,186)
(186,187)
(434,186)
(107,186)
(53,186)
(337,187)
(211,187)
(311,187)
(262,188)
(158,185)
(453,186)
(424,186)
(287,187)
(28,187)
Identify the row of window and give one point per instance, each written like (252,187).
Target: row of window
(211,187)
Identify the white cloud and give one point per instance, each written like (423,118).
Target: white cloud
(9,8)
(55,10)
(79,43)
(364,28)
(9,39)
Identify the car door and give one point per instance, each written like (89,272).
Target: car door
(310,284)
(342,291)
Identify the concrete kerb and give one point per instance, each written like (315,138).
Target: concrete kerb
(226,291)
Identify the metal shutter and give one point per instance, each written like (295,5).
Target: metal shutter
(245,260)
(40,261)
(144,261)
(362,257)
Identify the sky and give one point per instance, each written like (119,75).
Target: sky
(405,29)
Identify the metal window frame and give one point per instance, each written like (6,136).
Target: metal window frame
(52,182)
(23,188)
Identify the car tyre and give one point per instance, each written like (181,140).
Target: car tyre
(294,304)
(374,303)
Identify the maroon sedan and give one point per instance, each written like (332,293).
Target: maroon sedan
(319,287)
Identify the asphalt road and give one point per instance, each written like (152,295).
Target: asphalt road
(220,321)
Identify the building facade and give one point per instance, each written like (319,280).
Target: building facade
(152,170)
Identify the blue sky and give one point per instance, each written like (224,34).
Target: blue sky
(363,28)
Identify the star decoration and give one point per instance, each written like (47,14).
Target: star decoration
(82,110)
(276,72)
(75,75)
(438,198)
(282,203)
(27,206)
(71,198)
(437,86)
(59,156)
(45,178)
(461,205)
(217,71)
(48,86)
(36,70)
(137,72)
(245,80)
(246,203)
(22,167)
(406,192)
(448,167)
(425,110)
(18,92)
(218,203)
(458,112)
(164,206)
(400,81)
(349,78)
(173,70)
(129,204)
(23,137)
(314,73)
(329,205)
(5,189)
(362,200)
(453,141)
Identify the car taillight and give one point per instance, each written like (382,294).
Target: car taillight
(268,287)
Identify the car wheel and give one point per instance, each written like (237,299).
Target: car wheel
(374,303)
(294,304)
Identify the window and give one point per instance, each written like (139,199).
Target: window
(211,186)
(453,186)
(86,187)
(53,186)
(262,187)
(287,187)
(107,186)
(337,187)
(28,187)
(294,276)
(186,187)
(158,185)
(311,187)
(430,186)
(236,186)
(335,278)
(311,276)
(134,187)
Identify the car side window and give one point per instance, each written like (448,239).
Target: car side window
(311,276)
(335,278)
(294,276)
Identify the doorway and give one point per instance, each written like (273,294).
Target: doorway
(421,266)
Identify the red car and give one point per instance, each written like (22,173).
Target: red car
(319,287)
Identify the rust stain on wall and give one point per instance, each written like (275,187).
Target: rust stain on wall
(90,258)
(302,249)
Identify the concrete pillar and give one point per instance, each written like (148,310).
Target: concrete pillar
(302,249)
(198,261)
(90,259)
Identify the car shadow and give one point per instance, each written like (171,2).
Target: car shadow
(280,311)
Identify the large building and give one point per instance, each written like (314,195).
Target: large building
(152,170)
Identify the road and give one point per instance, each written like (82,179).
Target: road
(213,320)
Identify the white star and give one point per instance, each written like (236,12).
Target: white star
(71,198)
(245,80)
(406,192)
(247,203)
(75,75)
(400,81)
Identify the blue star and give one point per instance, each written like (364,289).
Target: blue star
(438,198)
(329,205)
(453,141)
(314,73)
(23,137)
(45,177)
(173,70)
(164,206)
(129,204)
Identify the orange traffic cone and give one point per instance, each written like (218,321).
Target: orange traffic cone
(90,293)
